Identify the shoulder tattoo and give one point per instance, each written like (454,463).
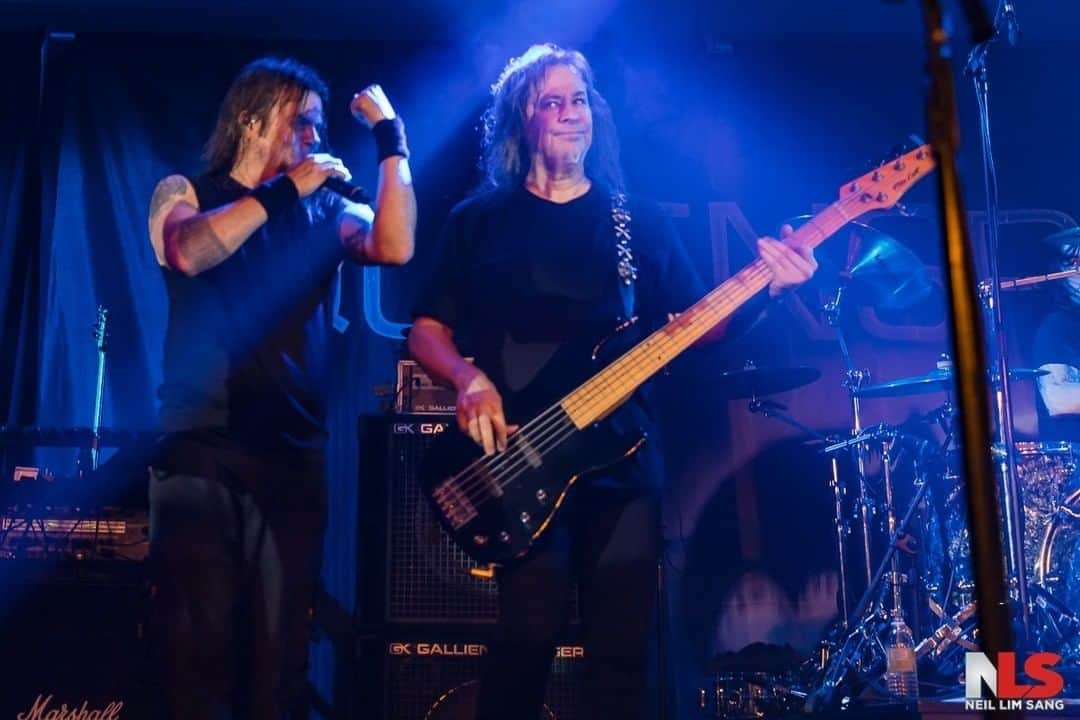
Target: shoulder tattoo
(169,188)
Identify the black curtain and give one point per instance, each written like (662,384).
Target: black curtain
(20,222)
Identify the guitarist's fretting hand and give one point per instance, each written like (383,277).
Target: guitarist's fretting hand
(791,265)
(480,411)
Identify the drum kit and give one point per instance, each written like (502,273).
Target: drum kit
(902,539)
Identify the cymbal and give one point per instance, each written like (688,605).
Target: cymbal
(937,380)
(889,274)
(756,382)
(934,381)
(879,270)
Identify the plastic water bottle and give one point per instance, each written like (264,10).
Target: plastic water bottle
(901,676)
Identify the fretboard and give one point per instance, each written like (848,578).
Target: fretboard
(597,397)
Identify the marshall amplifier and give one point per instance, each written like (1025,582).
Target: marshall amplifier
(70,633)
(433,676)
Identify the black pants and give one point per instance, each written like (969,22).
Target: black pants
(609,539)
(232,584)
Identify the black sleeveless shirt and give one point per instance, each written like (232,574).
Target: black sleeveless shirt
(246,343)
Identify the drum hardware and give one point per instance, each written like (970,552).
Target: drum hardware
(785,377)
(749,696)
(1055,589)
(755,682)
(942,379)
(1066,512)
(853,379)
(952,631)
(880,272)
(778,411)
(854,653)
(1061,620)
(842,531)
(862,651)
(1022,283)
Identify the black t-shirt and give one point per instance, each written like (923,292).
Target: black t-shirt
(519,278)
(246,342)
(1058,342)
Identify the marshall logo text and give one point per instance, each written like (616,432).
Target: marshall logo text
(40,711)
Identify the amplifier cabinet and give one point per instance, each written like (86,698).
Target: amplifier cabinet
(432,675)
(410,571)
(70,634)
(407,559)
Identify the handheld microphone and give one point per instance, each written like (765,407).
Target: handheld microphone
(346,190)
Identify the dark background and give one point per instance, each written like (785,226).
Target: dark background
(738,114)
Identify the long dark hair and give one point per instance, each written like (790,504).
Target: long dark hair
(505,156)
(259,86)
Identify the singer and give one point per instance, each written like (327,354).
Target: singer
(249,252)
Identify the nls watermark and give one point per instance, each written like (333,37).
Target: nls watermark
(1008,693)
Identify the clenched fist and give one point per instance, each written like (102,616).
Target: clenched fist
(371,105)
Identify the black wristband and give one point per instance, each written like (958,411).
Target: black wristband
(390,138)
(276,195)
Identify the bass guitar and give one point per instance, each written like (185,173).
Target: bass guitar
(497,506)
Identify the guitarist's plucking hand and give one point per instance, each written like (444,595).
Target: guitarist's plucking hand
(480,410)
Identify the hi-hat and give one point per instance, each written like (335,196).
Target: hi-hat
(756,382)
(937,380)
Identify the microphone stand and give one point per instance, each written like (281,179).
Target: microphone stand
(967,336)
(995,318)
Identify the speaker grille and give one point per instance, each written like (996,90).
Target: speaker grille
(427,575)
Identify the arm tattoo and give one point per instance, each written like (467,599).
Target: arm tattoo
(166,190)
(202,246)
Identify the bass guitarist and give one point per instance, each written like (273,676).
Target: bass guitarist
(545,256)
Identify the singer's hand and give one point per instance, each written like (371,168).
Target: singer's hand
(371,105)
(310,173)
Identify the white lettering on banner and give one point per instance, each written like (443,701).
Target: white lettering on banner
(40,711)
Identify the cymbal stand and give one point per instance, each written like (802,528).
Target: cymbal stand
(862,648)
(772,409)
(854,379)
